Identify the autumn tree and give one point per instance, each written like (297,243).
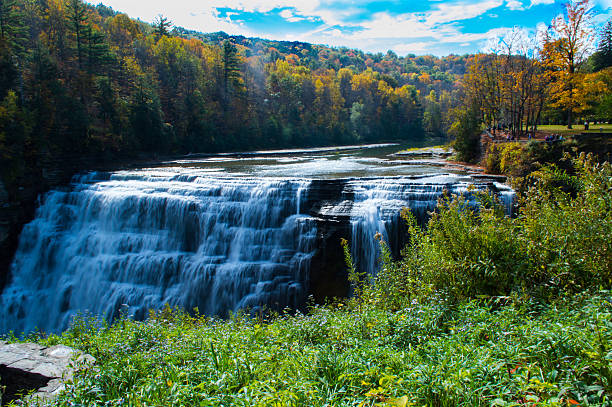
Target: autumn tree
(565,46)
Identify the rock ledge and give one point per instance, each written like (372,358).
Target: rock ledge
(27,367)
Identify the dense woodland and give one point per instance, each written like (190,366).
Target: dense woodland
(77,79)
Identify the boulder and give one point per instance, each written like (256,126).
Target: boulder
(42,371)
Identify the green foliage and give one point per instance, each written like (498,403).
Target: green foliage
(465,252)
(560,242)
(162,26)
(357,279)
(466,130)
(567,225)
(518,160)
(231,66)
(424,354)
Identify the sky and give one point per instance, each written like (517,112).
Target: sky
(437,27)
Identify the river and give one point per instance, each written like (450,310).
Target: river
(217,234)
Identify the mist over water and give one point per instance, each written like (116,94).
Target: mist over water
(213,235)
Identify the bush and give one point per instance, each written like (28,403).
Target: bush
(566,225)
(466,251)
(560,242)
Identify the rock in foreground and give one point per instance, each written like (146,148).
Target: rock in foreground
(27,367)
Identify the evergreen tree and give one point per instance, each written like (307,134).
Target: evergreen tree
(12,25)
(231,66)
(603,57)
(162,26)
(77,22)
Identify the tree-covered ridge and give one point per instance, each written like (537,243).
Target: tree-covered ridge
(79,79)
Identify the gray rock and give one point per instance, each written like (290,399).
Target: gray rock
(27,367)
(7,357)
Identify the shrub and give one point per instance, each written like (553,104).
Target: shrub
(561,241)
(468,249)
(566,225)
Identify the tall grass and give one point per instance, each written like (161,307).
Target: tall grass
(473,354)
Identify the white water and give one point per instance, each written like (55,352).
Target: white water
(194,238)
(147,238)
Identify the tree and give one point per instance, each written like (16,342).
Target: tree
(11,24)
(231,66)
(432,118)
(162,26)
(566,45)
(603,57)
(77,21)
(466,130)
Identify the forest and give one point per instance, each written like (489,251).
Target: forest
(83,80)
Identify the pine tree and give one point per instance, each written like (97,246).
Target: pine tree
(231,66)
(162,26)
(12,27)
(77,21)
(603,57)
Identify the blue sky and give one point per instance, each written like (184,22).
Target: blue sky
(436,27)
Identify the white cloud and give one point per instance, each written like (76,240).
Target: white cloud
(538,2)
(415,47)
(407,32)
(514,5)
(446,13)
(290,17)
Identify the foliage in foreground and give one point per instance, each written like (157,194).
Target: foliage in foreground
(561,241)
(349,355)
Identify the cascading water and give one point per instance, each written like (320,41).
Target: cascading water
(150,237)
(199,237)
(377,205)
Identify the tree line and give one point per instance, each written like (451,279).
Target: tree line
(77,79)
(554,76)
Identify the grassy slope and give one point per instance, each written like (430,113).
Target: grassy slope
(424,355)
(577,128)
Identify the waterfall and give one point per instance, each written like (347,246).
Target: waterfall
(148,238)
(377,205)
(203,239)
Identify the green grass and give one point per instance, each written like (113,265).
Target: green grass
(475,354)
(445,147)
(577,128)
